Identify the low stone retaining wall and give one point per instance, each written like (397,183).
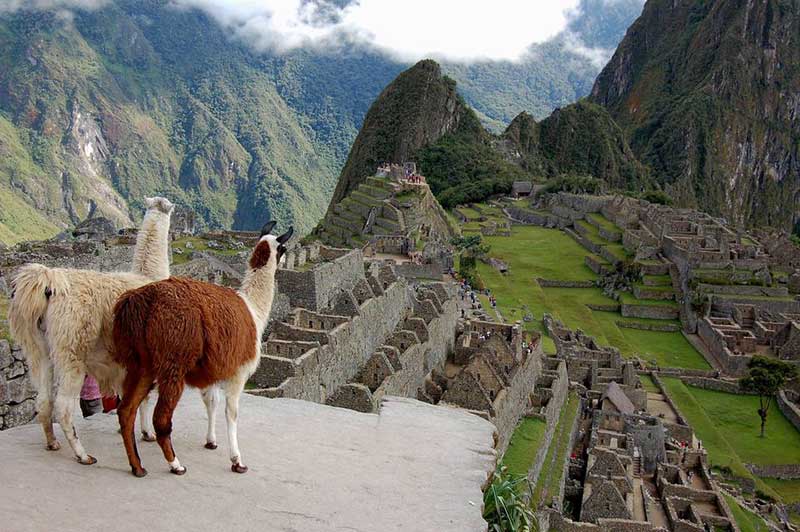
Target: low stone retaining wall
(606,254)
(603,308)
(789,409)
(573,434)
(594,263)
(555,283)
(585,242)
(719,385)
(655,327)
(657,312)
(527,216)
(662,268)
(781,471)
(649,292)
(685,372)
(744,290)
(17,396)
(611,236)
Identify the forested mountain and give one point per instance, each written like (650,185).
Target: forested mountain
(708,94)
(99,108)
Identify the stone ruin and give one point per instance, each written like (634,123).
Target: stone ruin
(493,372)
(629,469)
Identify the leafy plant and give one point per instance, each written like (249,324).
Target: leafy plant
(657,196)
(504,507)
(576,184)
(765,377)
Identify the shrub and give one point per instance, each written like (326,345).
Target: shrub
(576,184)
(504,507)
(657,196)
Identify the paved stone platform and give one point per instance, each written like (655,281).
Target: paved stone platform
(413,467)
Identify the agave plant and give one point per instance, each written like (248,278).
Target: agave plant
(504,506)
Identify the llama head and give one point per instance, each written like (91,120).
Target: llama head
(269,247)
(161,204)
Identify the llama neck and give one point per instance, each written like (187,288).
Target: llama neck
(258,290)
(151,254)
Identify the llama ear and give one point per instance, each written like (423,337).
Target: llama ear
(267,228)
(286,236)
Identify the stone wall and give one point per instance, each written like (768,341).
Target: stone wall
(782,471)
(657,312)
(555,283)
(17,396)
(789,409)
(316,288)
(559,387)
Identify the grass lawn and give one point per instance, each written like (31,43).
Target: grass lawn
(747,520)
(658,280)
(605,223)
(524,445)
(4,302)
(533,252)
(789,490)
(648,383)
(729,427)
(198,244)
(550,477)
(629,299)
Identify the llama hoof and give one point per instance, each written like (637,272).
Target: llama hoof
(148,437)
(239,468)
(211,445)
(90,460)
(139,473)
(178,470)
(53,446)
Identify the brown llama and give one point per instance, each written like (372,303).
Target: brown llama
(181,331)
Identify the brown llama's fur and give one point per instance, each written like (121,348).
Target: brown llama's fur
(180,331)
(204,331)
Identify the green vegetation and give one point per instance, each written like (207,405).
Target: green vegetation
(504,506)
(4,302)
(536,252)
(524,445)
(765,377)
(550,477)
(648,383)
(196,244)
(747,520)
(576,184)
(730,431)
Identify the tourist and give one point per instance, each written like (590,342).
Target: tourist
(91,399)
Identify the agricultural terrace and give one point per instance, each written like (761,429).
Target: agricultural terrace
(536,252)
(728,425)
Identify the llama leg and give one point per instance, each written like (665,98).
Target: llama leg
(135,390)
(146,416)
(211,399)
(43,380)
(233,390)
(69,387)
(169,393)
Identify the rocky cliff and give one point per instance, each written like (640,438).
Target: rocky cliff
(708,94)
(579,139)
(416,109)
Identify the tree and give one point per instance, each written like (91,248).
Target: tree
(471,245)
(765,377)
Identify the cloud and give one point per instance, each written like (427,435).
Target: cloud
(456,30)
(10,6)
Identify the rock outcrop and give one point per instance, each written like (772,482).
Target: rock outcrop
(708,94)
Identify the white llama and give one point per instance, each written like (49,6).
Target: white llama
(62,318)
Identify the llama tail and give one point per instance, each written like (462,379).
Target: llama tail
(32,290)
(130,317)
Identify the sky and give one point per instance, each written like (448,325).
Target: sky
(454,30)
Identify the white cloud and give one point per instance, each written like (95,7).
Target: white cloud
(41,5)
(457,30)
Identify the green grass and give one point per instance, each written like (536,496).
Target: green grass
(648,383)
(604,222)
(550,477)
(789,490)
(198,244)
(4,302)
(658,280)
(629,299)
(619,251)
(729,424)
(534,252)
(524,444)
(592,233)
(747,520)
(471,214)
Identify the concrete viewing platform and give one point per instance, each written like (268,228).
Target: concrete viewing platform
(412,467)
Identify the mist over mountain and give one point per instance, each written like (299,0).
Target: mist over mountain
(104,102)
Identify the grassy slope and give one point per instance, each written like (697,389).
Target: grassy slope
(729,427)
(550,476)
(535,252)
(747,520)
(525,442)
